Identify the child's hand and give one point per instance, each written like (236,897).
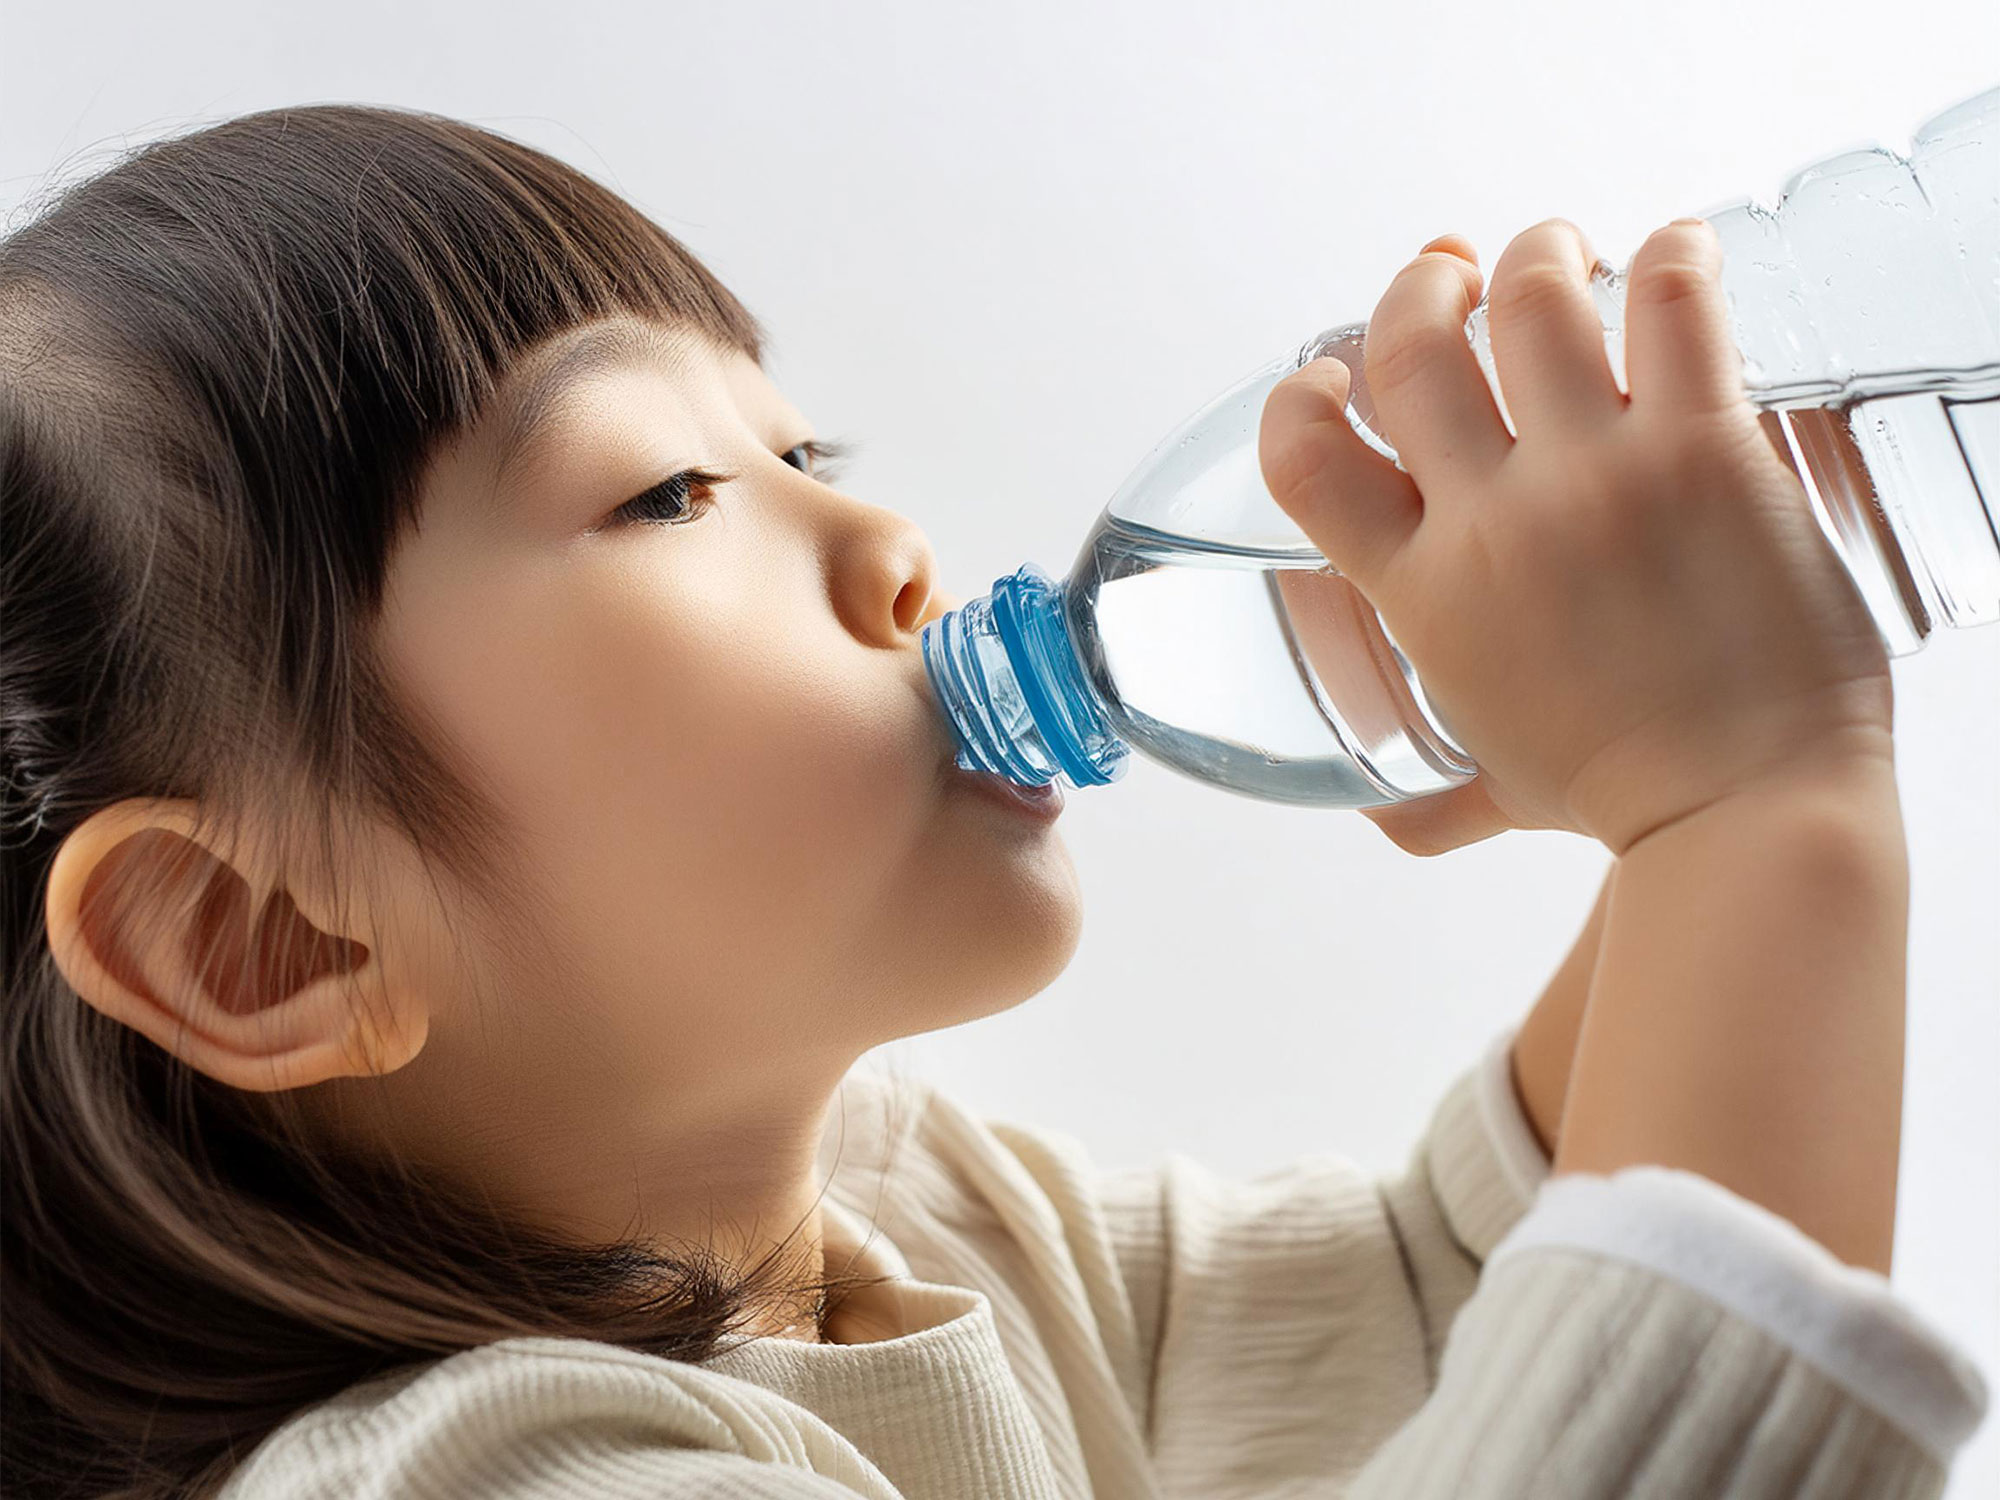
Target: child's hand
(1627,611)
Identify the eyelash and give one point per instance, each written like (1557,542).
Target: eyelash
(824,462)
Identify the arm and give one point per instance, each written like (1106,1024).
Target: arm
(1545,1046)
(1727,1317)
(1677,1331)
(1745,1019)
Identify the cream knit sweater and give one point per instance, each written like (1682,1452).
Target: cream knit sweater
(1466,1329)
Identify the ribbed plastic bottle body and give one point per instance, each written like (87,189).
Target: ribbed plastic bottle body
(1866,305)
(1200,626)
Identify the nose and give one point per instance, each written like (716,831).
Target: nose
(883,575)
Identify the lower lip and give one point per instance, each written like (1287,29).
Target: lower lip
(1044,802)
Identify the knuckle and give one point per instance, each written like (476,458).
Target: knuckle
(1290,469)
(1716,459)
(1534,289)
(1668,280)
(1394,363)
(1294,441)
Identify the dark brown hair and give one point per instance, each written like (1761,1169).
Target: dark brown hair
(224,362)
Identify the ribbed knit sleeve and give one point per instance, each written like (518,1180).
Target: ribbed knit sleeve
(1527,1337)
(1651,1333)
(1470,1179)
(1320,1296)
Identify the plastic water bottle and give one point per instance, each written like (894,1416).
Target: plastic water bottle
(1199,624)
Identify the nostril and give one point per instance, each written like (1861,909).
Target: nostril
(909,607)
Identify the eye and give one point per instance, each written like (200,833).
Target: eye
(823,458)
(687,495)
(673,502)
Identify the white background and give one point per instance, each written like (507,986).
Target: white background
(1006,248)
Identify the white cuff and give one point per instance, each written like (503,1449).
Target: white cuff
(1846,1321)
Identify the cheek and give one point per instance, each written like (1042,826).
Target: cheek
(715,787)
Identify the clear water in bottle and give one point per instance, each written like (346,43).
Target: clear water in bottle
(1265,672)
(1202,628)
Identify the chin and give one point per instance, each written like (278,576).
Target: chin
(1043,924)
(1002,943)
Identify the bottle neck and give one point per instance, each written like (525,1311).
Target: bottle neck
(1007,676)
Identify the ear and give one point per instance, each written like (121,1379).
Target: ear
(216,964)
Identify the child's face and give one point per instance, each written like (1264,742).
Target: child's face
(716,746)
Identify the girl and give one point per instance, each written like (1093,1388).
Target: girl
(472,797)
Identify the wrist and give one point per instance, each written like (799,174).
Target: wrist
(1847,788)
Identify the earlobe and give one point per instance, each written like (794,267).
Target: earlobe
(153,928)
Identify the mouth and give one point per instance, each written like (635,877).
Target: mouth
(1044,802)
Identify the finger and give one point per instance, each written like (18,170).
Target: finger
(1548,341)
(1352,503)
(1442,821)
(1435,406)
(1457,244)
(1680,352)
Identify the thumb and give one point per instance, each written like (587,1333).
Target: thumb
(1351,502)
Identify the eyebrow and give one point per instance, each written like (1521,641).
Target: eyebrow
(597,349)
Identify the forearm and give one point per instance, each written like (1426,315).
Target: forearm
(1545,1045)
(1745,1018)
